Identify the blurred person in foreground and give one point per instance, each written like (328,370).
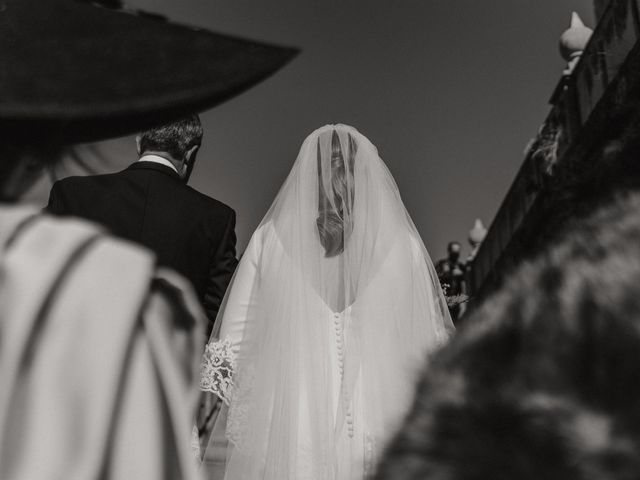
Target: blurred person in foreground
(543,383)
(99,348)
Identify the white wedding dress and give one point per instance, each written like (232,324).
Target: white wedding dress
(316,355)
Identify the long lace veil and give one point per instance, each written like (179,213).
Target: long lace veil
(336,239)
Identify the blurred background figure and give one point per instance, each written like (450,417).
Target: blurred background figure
(451,273)
(543,381)
(99,348)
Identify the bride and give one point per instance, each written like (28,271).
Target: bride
(332,311)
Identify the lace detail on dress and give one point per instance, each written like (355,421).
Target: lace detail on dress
(195,444)
(369,456)
(216,370)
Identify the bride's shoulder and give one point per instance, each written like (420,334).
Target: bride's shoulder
(263,231)
(258,239)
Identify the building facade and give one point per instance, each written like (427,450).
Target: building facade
(587,148)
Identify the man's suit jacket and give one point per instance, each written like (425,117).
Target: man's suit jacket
(149,204)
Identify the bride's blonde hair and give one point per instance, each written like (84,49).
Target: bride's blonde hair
(331,220)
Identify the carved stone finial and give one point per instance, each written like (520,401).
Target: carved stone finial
(573,41)
(477,233)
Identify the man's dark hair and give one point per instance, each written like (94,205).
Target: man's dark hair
(544,383)
(175,138)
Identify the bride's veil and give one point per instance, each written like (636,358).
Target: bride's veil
(337,245)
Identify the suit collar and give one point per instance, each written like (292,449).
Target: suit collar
(158,167)
(158,159)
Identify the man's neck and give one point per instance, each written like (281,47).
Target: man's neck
(157,157)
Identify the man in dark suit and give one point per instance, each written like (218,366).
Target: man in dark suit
(151,204)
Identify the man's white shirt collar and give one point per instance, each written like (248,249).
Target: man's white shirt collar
(160,160)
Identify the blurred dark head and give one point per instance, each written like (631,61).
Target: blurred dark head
(453,249)
(177,141)
(543,383)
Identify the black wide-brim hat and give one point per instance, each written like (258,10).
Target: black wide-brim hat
(80,72)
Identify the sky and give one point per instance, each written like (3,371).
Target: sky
(450,91)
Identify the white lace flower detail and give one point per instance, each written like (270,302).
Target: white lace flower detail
(216,370)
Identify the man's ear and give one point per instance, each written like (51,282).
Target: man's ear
(138,144)
(191,153)
(190,161)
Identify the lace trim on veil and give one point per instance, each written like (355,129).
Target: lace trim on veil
(216,370)
(195,444)
(237,419)
(370,459)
